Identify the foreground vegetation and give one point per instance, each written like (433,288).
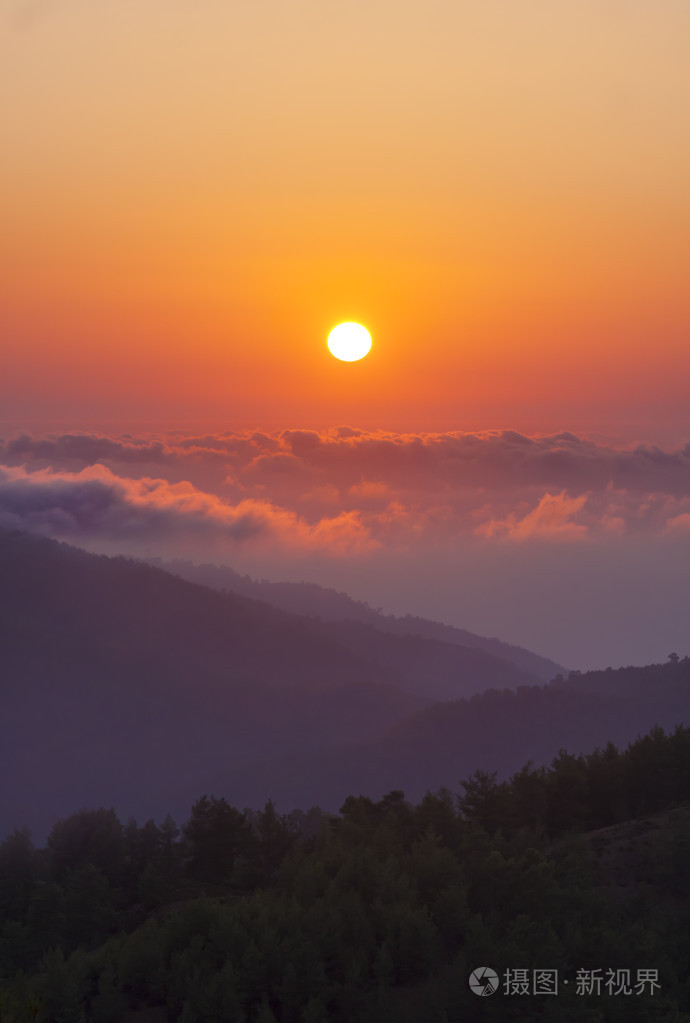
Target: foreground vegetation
(377,915)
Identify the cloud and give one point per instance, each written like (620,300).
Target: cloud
(679,525)
(81,449)
(476,529)
(95,504)
(345,486)
(493,460)
(550,520)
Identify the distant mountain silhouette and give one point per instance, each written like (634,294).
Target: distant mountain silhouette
(124,684)
(316,601)
(494,731)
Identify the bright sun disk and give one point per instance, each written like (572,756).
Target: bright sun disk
(349,342)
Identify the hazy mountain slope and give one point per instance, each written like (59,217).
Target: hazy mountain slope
(120,680)
(320,602)
(493,731)
(434,669)
(429,667)
(123,683)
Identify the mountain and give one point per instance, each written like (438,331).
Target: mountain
(312,600)
(125,685)
(122,683)
(496,730)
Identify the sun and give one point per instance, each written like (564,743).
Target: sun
(349,342)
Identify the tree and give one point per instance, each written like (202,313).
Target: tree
(89,909)
(567,793)
(484,801)
(18,871)
(437,810)
(62,988)
(92,837)
(216,834)
(605,787)
(169,833)
(276,836)
(528,797)
(142,845)
(46,919)
(359,810)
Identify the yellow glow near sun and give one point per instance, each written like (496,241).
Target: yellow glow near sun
(349,342)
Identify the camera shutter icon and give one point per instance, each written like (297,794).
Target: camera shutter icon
(484,981)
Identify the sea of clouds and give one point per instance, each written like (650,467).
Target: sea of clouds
(538,539)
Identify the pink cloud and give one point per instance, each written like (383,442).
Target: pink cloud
(95,503)
(550,520)
(497,461)
(305,489)
(679,525)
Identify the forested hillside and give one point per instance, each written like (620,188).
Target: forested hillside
(497,730)
(316,601)
(375,915)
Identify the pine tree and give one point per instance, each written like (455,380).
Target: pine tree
(215,834)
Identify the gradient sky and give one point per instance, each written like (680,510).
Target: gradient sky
(193,194)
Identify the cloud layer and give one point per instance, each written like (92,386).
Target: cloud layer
(343,490)
(573,548)
(95,504)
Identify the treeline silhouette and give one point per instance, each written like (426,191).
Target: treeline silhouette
(376,914)
(587,791)
(495,730)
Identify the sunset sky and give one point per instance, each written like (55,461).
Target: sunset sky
(193,194)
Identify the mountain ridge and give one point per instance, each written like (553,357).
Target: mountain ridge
(120,679)
(322,602)
(124,684)
(495,730)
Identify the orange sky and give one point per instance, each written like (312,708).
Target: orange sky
(192,195)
